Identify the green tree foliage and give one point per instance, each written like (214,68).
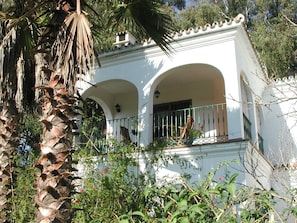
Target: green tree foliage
(115,193)
(112,187)
(70,59)
(221,200)
(23,190)
(93,127)
(110,17)
(30,131)
(23,195)
(271,25)
(197,15)
(273,32)
(179,4)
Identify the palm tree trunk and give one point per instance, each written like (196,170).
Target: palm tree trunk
(8,144)
(11,77)
(54,183)
(73,54)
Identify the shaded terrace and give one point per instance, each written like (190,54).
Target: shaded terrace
(196,90)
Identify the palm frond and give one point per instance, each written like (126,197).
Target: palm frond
(17,51)
(8,62)
(150,20)
(22,11)
(73,50)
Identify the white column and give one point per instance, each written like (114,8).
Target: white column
(234,106)
(145,117)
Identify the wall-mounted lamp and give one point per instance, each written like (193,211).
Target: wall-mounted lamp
(118,108)
(157,93)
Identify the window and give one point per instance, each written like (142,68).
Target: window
(173,106)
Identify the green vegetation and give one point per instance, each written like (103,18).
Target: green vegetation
(23,194)
(114,189)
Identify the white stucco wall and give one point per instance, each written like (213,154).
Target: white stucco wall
(279,124)
(145,68)
(225,48)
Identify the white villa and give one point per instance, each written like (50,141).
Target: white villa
(213,76)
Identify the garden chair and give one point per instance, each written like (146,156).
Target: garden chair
(187,128)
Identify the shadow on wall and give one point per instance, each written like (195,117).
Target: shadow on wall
(279,126)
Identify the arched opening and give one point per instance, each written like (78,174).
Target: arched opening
(196,91)
(119,102)
(93,127)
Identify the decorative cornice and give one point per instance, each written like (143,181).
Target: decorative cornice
(200,30)
(289,79)
(207,27)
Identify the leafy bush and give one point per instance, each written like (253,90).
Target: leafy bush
(116,191)
(211,201)
(23,190)
(113,186)
(22,199)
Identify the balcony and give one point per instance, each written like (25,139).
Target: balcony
(209,125)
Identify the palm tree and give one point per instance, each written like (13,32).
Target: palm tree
(74,54)
(16,45)
(72,58)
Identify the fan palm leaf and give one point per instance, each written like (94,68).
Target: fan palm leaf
(73,50)
(149,18)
